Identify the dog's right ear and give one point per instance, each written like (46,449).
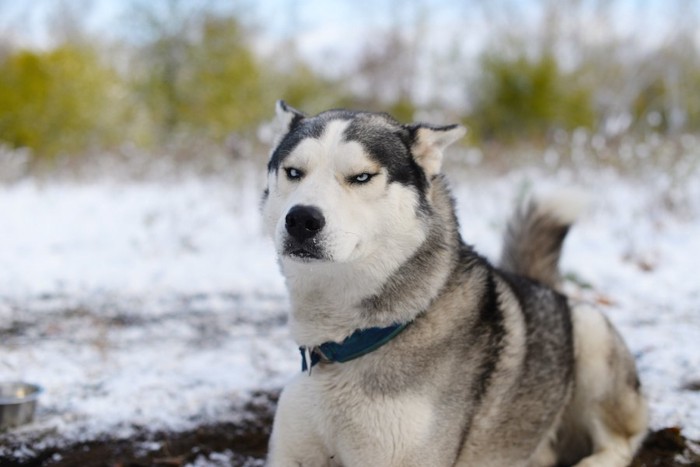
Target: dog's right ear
(287,118)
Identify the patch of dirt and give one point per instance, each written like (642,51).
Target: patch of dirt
(245,444)
(667,448)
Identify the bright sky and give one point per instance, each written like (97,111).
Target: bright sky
(339,21)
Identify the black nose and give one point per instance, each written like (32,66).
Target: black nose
(303,222)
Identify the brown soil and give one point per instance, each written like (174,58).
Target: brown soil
(245,444)
(668,448)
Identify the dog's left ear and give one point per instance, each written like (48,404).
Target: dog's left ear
(428,143)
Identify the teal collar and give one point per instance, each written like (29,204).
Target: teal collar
(359,343)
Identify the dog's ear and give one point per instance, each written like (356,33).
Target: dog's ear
(428,142)
(287,118)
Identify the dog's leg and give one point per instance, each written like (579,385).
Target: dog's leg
(351,429)
(385,431)
(294,441)
(610,449)
(608,413)
(546,455)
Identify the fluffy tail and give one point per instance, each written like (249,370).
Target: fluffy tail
(536,233)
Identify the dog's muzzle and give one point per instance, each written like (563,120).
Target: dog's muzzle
(303,223)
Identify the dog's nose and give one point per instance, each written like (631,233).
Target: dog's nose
(303,222)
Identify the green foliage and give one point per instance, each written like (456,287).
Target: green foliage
(198,78)
(692,101)
(522,97)
(61,101)
(306,90)
(650,108)
(206,81)
(403,110)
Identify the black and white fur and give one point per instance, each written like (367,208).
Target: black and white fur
(496,367)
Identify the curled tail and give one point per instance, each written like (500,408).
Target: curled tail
(536,233)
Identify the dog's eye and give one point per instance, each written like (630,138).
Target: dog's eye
(361,178)
(294,174)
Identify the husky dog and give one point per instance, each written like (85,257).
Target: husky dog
(418,351)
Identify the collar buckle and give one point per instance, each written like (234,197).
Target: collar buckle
(359,343)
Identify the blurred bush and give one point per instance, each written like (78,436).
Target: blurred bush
(527,98)
(200,78)
(63,100)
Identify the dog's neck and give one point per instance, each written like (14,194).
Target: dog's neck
(327,300)
(332,300)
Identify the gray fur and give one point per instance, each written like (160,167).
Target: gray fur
(410,290)
(496,369)
(533,243)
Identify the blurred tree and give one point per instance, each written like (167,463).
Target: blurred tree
(692,99)
(197,73)
(650,107)
(385,75)
(302,87)
(222,83)
(522,97)
(60,101)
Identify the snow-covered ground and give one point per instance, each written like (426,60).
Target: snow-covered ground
(159,305)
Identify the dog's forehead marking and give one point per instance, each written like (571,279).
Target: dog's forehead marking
(362,127)
(332,140)
(333,150)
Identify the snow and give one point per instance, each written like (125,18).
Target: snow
(159,305)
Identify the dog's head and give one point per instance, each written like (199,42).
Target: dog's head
(344,186)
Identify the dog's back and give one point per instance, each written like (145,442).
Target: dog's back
(605,415)
(528,393)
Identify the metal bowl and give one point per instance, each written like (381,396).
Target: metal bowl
(17,403)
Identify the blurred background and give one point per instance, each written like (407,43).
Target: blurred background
(136,282)
(616,82)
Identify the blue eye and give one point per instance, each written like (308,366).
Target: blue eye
(361,178)
(294,174)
